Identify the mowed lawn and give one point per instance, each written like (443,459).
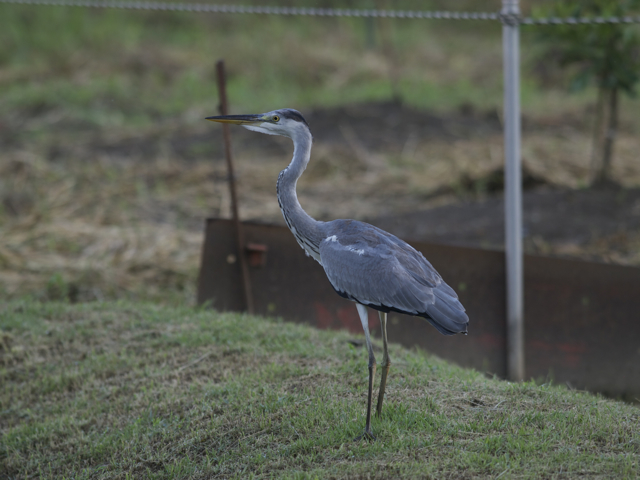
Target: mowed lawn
(129,390)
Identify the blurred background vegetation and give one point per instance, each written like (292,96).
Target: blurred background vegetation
(107,169)
(607,56)
(107,67)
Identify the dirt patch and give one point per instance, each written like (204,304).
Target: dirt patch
(593,224)
(390,126)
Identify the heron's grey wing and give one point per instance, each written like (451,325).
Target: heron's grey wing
(375,268)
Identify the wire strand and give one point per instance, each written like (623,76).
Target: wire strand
(325,12)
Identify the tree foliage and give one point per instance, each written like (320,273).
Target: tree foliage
(606,55)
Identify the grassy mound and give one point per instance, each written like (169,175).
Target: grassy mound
(124,390)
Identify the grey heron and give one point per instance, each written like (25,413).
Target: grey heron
(363,263)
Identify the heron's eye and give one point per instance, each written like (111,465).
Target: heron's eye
(275,118)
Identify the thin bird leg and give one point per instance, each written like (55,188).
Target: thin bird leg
(386,363)
(364,318)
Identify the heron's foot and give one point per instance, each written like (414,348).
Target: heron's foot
(367,435)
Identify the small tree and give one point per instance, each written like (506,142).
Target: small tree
(605,54)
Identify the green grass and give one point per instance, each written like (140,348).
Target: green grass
(124,390)
(110,67)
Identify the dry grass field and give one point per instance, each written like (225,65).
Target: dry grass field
(121,217)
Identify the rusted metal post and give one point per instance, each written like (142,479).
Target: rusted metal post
(513,191)
(223,107)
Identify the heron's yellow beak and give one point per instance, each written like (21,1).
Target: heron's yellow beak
(237,119)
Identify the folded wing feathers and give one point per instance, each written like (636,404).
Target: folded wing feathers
(448,312)
(391,274)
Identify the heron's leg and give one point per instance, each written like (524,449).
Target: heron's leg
(364,318)
(386,363)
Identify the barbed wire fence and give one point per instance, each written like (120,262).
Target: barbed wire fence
(328,12)
(511,21)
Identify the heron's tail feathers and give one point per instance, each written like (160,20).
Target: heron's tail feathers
(446,314)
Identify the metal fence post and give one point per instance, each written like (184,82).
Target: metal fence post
(240,243)
(513,190)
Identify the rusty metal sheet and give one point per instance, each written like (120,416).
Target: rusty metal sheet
(582,318)
(583,324)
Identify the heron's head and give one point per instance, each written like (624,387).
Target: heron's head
(287,122)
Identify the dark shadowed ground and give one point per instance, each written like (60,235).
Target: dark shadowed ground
(562,217)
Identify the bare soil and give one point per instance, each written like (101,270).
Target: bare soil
(569,220)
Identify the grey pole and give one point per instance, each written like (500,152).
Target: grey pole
(513,190)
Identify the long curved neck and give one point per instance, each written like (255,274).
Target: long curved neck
(306,229)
